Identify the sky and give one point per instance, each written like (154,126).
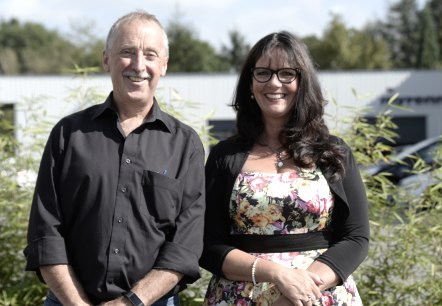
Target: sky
(211,20)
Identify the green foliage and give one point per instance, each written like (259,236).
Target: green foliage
(428,56)
(404,266)
(237,52)
(187,52)
(17,172)
(343,48)
(34,49)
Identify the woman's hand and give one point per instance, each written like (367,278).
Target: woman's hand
(282,301)
(299,287)
(328,276)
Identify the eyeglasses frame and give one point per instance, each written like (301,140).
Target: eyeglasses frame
(297,70)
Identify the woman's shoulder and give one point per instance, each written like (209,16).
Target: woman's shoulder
(230,146)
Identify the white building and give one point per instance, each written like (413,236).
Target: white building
(420,91)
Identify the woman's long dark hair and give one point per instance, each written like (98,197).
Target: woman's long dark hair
(305,136)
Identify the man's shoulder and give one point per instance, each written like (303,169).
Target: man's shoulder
(177,125)
(84,114)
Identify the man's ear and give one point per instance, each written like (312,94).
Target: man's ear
(105,61)
(164,66)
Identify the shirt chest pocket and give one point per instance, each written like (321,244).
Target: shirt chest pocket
(162,195)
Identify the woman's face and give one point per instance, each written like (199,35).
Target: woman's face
(274,98)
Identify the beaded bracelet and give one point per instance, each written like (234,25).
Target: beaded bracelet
(254,270)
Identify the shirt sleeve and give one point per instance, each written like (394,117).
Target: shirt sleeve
(350,222)
(182,252)
(46,244)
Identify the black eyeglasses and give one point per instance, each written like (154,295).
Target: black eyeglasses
(285,75)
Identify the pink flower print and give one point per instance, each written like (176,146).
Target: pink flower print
(327,299)
(211,298)
(275,213)
(326,204)
(350,286)
(313,207)
(293,195)
(301,204)
(239,288)
(259,220)
(257,183)
(242,302)
(288,177)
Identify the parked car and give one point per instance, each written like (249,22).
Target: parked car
(416,184)
(401,165)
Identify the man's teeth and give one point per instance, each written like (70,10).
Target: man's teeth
(136,79)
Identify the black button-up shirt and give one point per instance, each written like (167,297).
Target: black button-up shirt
(114,207)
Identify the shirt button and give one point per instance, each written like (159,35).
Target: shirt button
(127,161)
(116,251)
(119,220)
(123,189)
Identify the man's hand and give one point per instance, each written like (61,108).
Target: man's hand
(121,301)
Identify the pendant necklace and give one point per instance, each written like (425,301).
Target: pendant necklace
(279,160)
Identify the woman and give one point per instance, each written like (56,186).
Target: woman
(286,219)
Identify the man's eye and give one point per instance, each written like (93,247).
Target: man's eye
(151,56)
(126,52)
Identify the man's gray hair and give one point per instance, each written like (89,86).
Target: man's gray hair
(137,15)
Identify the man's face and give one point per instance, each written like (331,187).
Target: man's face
(136,60)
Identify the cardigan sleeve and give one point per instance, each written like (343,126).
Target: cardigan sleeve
(216,229)
(350,222)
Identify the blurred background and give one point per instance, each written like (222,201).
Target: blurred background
(380,66)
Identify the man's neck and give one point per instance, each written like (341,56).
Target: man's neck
(132,116)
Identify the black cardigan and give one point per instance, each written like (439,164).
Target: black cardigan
(349,225)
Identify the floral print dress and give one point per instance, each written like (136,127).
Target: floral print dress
(286,203)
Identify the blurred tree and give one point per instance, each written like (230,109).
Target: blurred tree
(88,47)
(187,52)
(372,50)
(401,31)
(336,45)
(8,61)
(342,48)
(236,53)
(428,52)
(314,44)
(436,9)
(37,49)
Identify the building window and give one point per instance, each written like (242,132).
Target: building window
(222,129)
(410,129)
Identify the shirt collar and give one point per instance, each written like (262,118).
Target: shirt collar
(156,115)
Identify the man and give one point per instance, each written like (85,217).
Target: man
(117,214)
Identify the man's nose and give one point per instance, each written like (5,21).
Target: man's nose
(139,62)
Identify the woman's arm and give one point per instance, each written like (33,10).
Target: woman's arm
(295,284)
(327,275)
(350,222)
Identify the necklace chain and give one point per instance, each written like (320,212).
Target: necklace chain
(278,152)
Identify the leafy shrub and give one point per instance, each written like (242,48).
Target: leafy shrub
(404,265)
